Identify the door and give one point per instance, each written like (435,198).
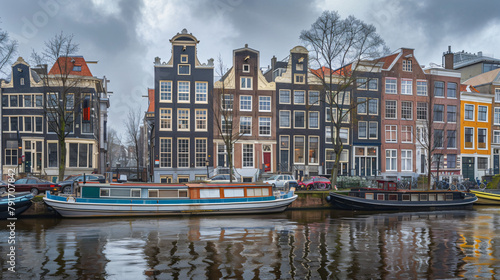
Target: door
(468,168)
(267,161)
(284,161)
(496,164)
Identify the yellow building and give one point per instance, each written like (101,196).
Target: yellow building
(475,130)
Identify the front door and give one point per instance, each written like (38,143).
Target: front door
(496,164)
(468,168)
(283,164)
(267,161)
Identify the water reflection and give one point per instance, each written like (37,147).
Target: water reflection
(292,245)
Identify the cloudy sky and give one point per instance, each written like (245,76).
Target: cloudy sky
(125,36)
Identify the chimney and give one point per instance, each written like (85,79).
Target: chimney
(479,54)
(273,62)
(448,59)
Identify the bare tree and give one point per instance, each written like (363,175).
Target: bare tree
(63,90)
(7,49)
(341,44)
(114,150)
(226,117)
(133,130)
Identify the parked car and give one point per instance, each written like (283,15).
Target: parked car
(221,178)
(35,185)
(3,187)
(68,182)
(315,183)
(278,181)
(133,178)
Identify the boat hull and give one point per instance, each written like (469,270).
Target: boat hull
(346,202)
(484,198)
(21,203)
(94,208)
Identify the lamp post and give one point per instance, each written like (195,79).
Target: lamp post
(207,162)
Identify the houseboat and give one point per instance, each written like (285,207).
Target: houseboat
(486,198)
(110,200)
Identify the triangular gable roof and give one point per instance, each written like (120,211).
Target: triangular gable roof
(485,78)
(69,62)
(346,70)
(151,99)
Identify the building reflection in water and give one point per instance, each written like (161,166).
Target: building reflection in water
(292,245)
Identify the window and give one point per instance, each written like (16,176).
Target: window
(246,83)
(482,114)
(284,96)
(422,88)
(481,138)
(184,58)
(246,68)
(284,119)
(201,119)
(227,102)
(451,113)
(438,138)
(362,105)
(406,87)
(406,160)
(373,130)
(469,137)
(184,69)
(183,119)
(77,68)
(52,101)
(13,100)
(451,161)
(314,149)
(439,89)
(314,119)
(496,119)
(406,110)
(200,152)
(469,112)
(361,83)
(165,91)
(451,90)
(390,109)
(80,155)
(264,103)
(227,125)
(201,90)
(21,81)
(451,136)
(183,152)
(247,155)
(246,126)
(264,126)
(313,97)
(391,160)
(299,78)
(245,103)
(391,86)
(391,132)
(183,91)
(482,163)
(299,119)
(407,134)
(373,84)
(343,98)
(299,97)
(27,101)
(438,112)
(165,119)
(496,136)
(52,154)
(362,128)
(373,106)
(407,65)
(299,143)
(497,95)
(421,111)
(11,156)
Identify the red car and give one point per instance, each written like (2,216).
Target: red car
(315,183)
(35,185)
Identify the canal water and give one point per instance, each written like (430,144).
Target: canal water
(305,244)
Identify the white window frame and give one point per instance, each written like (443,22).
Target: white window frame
(243,103)
(309,120)
(294,118)
(473,112)
(263,100)
(179,100)
(496,136)
(420,86)
(202,95)
(165,118)
(391,158)
(485,138)
(473,138)
(497,95)
(289,96)
(478,111)
(405,129)
(186,153)
(166,92)
(165,156)
(395,109)
(187,120)
(247,161)
(289,119)
(201,119)
(406,109)
(406,86)
(406,160)
(244,81)
(365,130)
(247,70)
(376,130)
(304,96)
(247,118)
(392,86)
(263,121)
(316,162)
(392,130)
(183,65)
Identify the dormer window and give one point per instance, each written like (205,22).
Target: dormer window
(77,68)
(300,64)
(246,68)
(407,65)
(184,58)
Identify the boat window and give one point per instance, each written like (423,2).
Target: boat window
(257,192)
(135,193)
(380,196)
(393,197)
(152,193)
(104,192)
(120,192)
(234,193)
(168,193)
(432,197)
(414,197)
(449,196)
(423,197)
(406,197)
(210,193)
(368,196)
(183,193)
(265,192)
(440,197)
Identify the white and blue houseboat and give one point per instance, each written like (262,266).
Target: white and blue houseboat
(110,200)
